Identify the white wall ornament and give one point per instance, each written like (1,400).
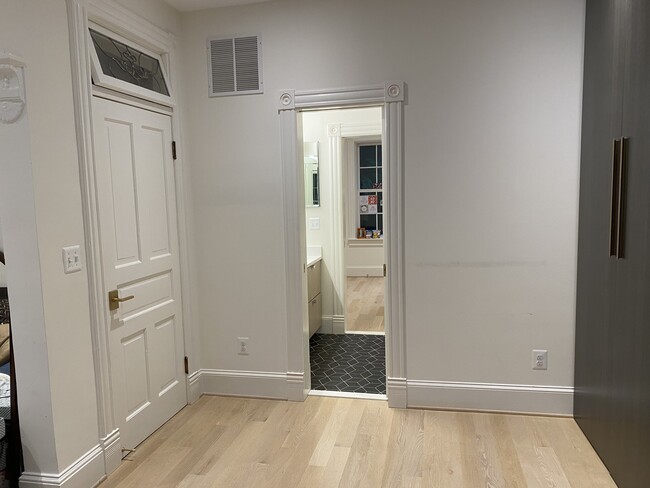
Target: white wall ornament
(286,100)
(394,91)
(12,89)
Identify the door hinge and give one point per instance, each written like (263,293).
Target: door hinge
(174,150)
(384,271)
(187,365)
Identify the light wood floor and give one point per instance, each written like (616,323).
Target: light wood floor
(337,442)
(365,304)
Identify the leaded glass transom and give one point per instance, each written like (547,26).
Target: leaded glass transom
(125,63)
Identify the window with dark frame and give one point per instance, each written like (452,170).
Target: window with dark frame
(370,191)
(127,64)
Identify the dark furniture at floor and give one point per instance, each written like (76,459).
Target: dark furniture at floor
(11,440)
(612,373)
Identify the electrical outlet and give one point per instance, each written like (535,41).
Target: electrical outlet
(314,223)
(242,346)
(71,259)
(540,359)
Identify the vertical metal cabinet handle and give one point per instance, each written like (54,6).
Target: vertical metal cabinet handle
(622,191)
(613,215)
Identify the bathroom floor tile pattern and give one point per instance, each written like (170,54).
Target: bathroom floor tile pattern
(354,363)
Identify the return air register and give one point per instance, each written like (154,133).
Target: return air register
(235,66)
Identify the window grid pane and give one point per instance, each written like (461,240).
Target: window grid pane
(370,178)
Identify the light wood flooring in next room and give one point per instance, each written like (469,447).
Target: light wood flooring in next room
(365,304)
(340,442)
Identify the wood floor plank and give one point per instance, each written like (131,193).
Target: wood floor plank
(364,304)
(404,457)
(335,466)
(323,450)
(335,442)
(507,452)
(442,448)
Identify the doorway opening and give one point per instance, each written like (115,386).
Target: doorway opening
(292,104)
(344,221)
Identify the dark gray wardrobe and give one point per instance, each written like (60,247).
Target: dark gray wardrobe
(612,372)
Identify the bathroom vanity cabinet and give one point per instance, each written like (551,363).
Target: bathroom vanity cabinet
(314,302)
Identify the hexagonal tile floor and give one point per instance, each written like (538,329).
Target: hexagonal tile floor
(354,363)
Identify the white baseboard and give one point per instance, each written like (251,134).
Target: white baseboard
(112,447)
(397,392)
(492,397)
(260,384)
(194,387)
(338,324)
(365,270)
(296,390)
(326,325)
(85,472)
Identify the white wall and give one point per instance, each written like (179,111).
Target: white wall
(25,28)
(492,126)
(58,401)
(364,259)
(157,12)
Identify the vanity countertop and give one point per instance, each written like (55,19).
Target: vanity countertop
(314,254)
(311,260)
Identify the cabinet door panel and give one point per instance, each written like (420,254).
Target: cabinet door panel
(631,341)
(602,120)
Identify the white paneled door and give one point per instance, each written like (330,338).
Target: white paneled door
(137,211)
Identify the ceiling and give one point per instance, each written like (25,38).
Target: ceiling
(189,5)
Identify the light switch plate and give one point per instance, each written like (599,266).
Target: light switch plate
(71,259)
(314,223)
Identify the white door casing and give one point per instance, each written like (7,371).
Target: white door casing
(140,257)
(391,96)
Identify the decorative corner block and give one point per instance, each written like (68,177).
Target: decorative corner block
(394,91)
(334,130)
(286,100)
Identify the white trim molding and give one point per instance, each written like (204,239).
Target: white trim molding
(347,394)
(390,96)
(259,384)
(194,387)
(364,270)
(339,137)
(338,324)
(491,397)
(397,392)
(121,21)
(86,471)
(297,389)
(112,447)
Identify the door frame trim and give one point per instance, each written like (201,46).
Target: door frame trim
(391,97)
(341,137)
(129,25)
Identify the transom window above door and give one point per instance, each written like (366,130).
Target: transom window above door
(120,65)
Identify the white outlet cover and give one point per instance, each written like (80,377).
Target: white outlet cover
(71,259)
(540,359)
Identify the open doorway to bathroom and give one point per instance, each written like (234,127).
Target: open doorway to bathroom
(344,185)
